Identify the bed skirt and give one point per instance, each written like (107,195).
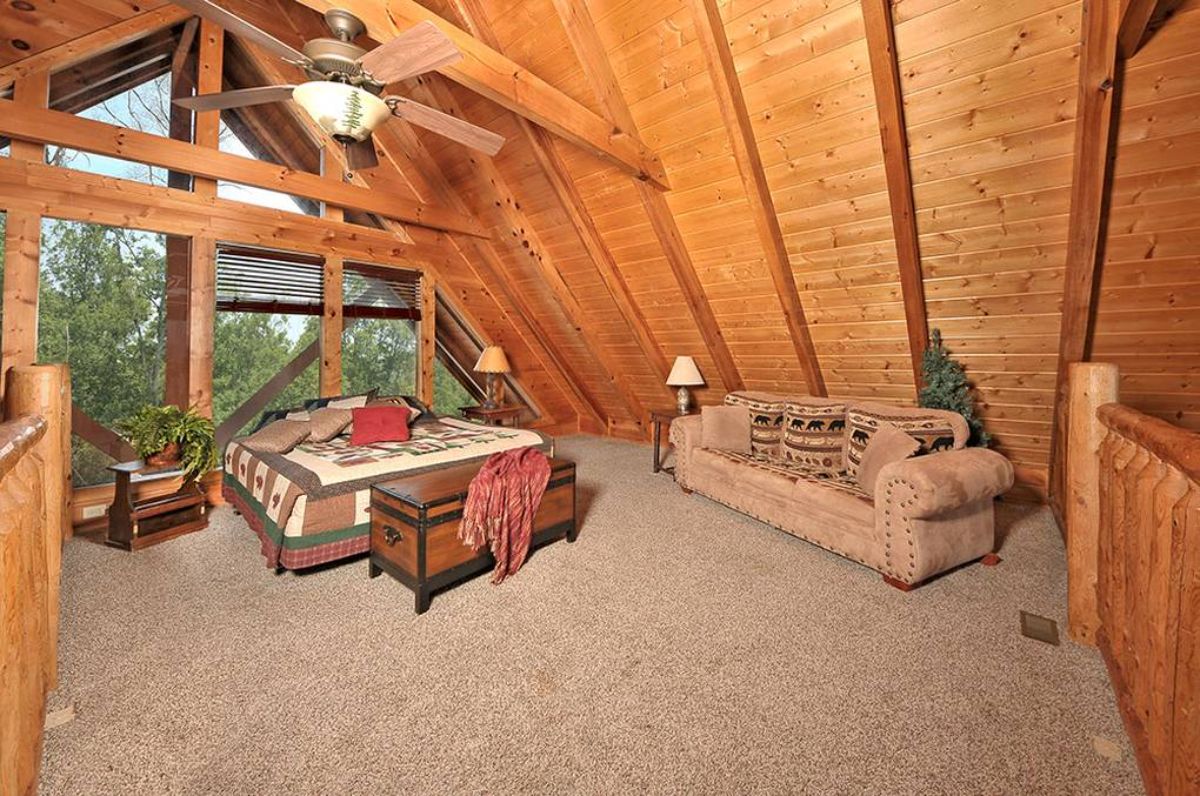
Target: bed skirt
(277,551)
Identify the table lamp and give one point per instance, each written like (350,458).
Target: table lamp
(492,361)
(684,374)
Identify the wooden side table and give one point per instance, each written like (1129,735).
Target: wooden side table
(136,522)
(657,418)
(501,415)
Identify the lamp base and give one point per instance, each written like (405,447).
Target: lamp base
(682,400)
(490,402)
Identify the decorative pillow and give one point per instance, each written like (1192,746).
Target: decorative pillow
(327,422)
(379,424)
(415,408)
(888,444)
(342,401)
(278,437)
(725,428)
(814,435)
(933,432)
(298,414)
(766,420)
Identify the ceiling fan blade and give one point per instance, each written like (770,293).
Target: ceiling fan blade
(238,26)
(236,99)
(446,125)
(422,48)
(361,155)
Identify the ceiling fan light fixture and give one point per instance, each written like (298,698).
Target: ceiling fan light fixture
(348,113)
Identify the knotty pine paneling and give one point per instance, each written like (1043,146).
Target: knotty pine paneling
(989,98)
(1149,292)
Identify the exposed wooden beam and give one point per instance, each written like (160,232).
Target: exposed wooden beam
(332,315)
(1136,16)
(427,347)
(108,441)
(1090,187)
(100,41)
(253,406)
(492,75)
(554,167)
(80,196)
(178,350)
(22,243)
(889,106)
(64,129)
(710,31)
(522,237)
(596,68)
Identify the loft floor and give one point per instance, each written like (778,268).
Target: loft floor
(676,647)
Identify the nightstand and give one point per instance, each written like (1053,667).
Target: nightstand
(657,418)
(500,416)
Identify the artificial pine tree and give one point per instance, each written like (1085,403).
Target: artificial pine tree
(946,387)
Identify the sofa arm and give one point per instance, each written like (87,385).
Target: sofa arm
(685,436)
(927,486)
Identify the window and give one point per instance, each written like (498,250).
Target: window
(380,338)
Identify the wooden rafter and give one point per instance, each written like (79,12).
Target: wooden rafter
(253,406)
(64,129)
(889,106)
(1099,71)
(596,67)
(526,243)
(492,75)
(710,31)
(80,196)
(1136,18)
(92,431)
(78,49)
(554,168)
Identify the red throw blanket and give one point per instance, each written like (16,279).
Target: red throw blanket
(501,502)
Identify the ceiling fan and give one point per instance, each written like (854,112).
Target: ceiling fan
(344,93)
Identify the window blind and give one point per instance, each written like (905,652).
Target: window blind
(372,291)
(251,279)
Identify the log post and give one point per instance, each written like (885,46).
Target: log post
(40,390)
(1091,385)
(332,315)
(427,346)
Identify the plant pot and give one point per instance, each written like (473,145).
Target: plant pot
(169,456)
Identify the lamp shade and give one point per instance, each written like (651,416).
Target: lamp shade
(684,373)
(347,113)
(492,360)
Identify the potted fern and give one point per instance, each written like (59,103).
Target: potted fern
(168,437)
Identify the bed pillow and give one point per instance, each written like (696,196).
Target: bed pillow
(278,437)
(725,428)
(381,423)
(327,422)
(416,409)
(342,401)
(888,444)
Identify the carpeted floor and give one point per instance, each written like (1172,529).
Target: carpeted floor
(677,647)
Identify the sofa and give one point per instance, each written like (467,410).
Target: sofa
(929,513)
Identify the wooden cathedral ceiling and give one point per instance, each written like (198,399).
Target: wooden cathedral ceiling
(766,117)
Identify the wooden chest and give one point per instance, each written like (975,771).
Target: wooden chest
(415,520)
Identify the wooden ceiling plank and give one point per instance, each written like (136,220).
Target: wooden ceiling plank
(63,129)
(710,31)
(555,170)
(1095,139)
(83,47)
(483,265)
(526,243)
(599,73)
(492,75)
(889,106)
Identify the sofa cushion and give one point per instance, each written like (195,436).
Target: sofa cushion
(888,444)
(725,428)
(934,429)
(814,433)
(766,419)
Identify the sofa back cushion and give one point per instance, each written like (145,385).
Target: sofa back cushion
(935,429)
(766,419)
(814,434)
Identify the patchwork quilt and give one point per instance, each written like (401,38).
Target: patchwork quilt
(313,504)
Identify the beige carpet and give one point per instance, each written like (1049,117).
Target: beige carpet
(677,647)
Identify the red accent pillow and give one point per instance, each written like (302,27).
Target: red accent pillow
(382,423)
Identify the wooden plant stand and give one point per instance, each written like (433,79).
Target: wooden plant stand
(136,522)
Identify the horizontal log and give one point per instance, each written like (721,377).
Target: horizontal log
(1176,446)
(75,132)
(18,436)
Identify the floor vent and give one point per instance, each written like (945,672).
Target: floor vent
(1039,628)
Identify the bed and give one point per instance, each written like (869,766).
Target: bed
(311,506)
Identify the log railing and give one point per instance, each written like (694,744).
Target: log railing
(27,623)
(1133,541)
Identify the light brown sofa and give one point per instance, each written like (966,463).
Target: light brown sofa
(930,513)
